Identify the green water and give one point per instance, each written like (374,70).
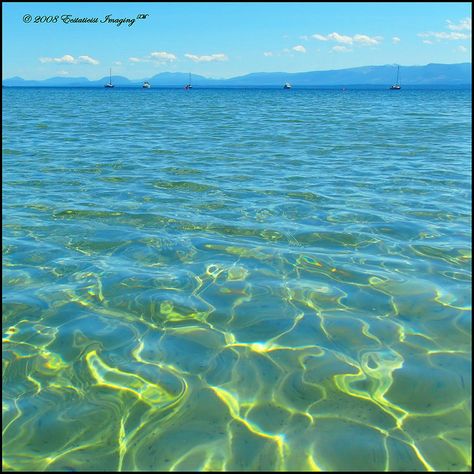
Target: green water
(236,280)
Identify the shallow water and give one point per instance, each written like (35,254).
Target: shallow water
(236,279)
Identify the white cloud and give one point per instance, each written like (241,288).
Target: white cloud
(207,58)
(157,57)
(427,41)
(366,40)
(87,59)
(138,60)
(443,35)
(461,48)
(163,55)
(340,38)
(464,24)
(455,33)
(63,73)
(319,37)
(341,49)
(68,59)
(117,63)
(299,48)
(304,37)
(363,40)
(396,40)
(268,53)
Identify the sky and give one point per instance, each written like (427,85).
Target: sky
(223,40)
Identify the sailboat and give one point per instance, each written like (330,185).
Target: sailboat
(287,85)
(396,86)
(146,85)
(188,85)
(109,85)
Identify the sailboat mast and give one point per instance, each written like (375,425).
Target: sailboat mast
(398,72)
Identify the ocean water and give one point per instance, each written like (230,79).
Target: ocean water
(236,280)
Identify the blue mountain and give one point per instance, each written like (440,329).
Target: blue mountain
(428,75)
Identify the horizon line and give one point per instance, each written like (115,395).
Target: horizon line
(238,76)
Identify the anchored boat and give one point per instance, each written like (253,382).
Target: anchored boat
(109,85)
(188,85)
(396,86)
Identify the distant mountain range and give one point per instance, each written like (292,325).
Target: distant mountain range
(429,75)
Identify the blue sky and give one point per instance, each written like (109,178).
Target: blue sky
(228,39)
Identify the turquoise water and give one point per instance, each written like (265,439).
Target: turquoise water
(236,279)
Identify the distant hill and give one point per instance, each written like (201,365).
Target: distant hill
(66,82)
(430,74)
(180,79)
